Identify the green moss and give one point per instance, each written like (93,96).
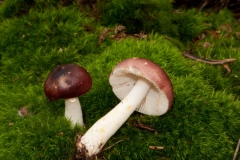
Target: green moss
(217,19)
(139,16)
(223,43)
(11,8)
(198,124)
(203,122)
(17,8)
(61,36)
(190,24)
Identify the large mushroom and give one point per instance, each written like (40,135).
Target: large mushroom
(142,86)
(68,82)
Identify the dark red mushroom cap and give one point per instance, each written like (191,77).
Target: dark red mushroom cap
(67,81)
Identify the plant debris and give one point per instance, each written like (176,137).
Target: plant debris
(156,147)
(103,35)
(23,112)
(223,62)
(111,145)
(134,123)
(206,44)
(236,151)
(118,34)
(60,133)
(119,29)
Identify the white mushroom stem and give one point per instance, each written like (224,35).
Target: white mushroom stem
(73,111)
(96,137)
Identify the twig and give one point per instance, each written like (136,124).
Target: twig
(214,62)
(156,147)
(111,146)
(236,151)
(142,126)
(203,5)
(145,127)
(223,62)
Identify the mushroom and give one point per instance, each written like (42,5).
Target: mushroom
(68,81)
(142,86)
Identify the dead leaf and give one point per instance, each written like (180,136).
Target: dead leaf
(227,28)
(103,35)
(206,44)
(10,123)
(237,34)
(141,35)
(23,111)
(214,33)
(60,133)
(119,37)
(226,66)
(119,29)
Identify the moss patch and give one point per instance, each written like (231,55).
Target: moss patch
(202,124)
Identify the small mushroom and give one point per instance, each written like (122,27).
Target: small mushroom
(142,86)
(68,81)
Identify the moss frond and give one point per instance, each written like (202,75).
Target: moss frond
(138,16)
(190,24)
